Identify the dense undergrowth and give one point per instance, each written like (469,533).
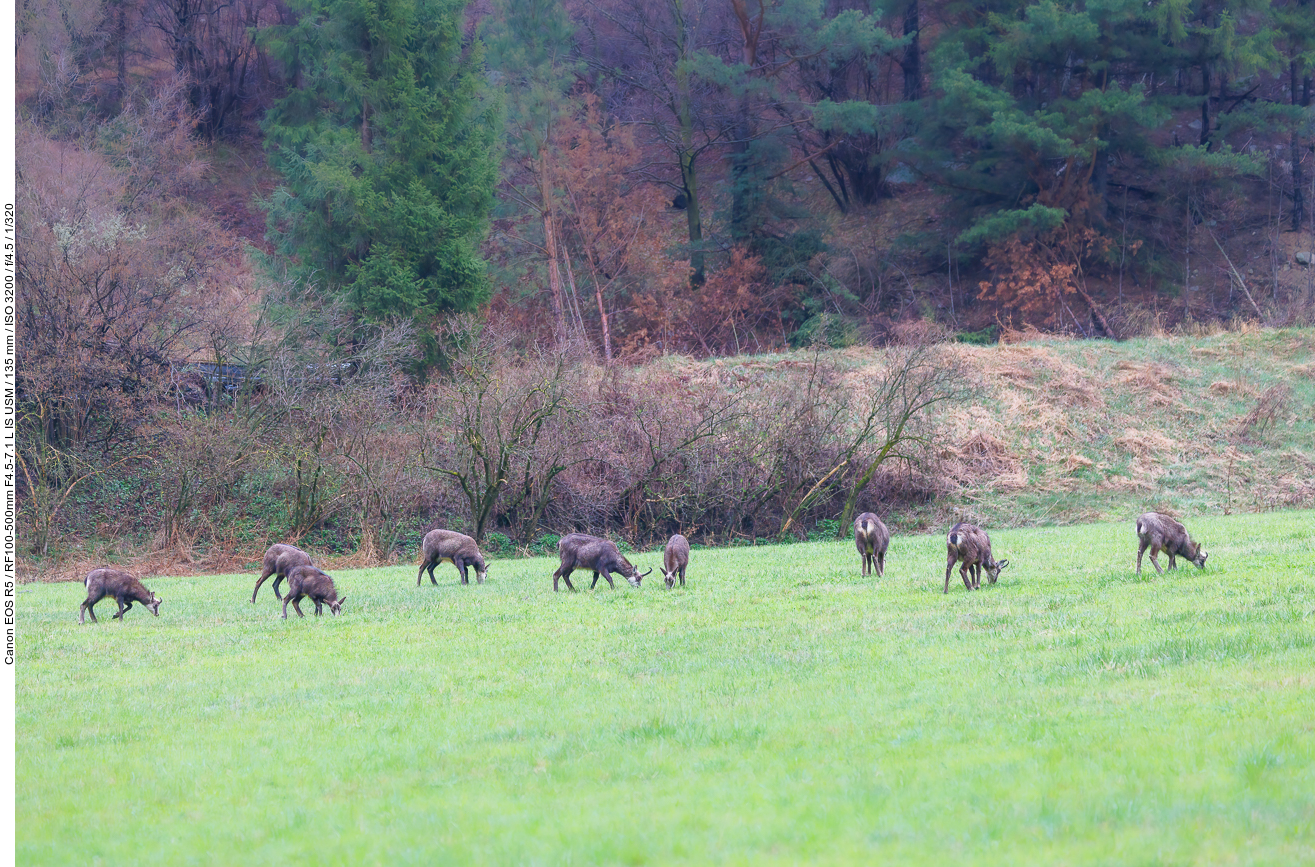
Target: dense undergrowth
(1048,431)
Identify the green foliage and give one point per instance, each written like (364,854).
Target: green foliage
(497,544)
(1036,96)
(1104,716)
(387,150)
(827,329)
(1027,222)
(827,528)
(545,545)
(987,336)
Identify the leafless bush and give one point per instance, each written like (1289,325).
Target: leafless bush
(500,428)
(1272,407)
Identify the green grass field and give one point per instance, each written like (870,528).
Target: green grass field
(779,710)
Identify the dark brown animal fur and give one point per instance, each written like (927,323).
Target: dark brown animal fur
(674,559)
(579,551)
(457,548)
(871,538)
(119,585)
(968,544)
(279,561)
(1159,532)
(315,584)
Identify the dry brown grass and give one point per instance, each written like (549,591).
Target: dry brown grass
(983,460)
(1271,408)
(1154,382)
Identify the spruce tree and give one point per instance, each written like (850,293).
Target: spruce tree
(1034,97)
(387,148)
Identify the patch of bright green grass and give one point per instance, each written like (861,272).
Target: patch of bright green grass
(779,710)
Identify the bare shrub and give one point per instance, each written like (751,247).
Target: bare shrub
(1272,407)
(499,427)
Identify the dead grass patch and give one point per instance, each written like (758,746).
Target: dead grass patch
(1075,462)
(1272,407)
(1149,379)
(982,457)
(1038,370)
(1145,445)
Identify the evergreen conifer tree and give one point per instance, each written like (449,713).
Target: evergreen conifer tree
(387,147)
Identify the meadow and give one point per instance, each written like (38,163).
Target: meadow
(780,709)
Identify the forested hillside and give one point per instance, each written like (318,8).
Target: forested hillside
(277,255)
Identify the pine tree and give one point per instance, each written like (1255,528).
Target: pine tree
(1035,97)
(387,147)
(529,45)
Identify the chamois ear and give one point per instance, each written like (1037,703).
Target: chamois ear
(1003,563)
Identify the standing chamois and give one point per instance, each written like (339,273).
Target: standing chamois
(674,559)
(121,586)
(968,544)
(871,538)
(279,561)
(456,548)
(579,551)
(1159,532)
(311,582)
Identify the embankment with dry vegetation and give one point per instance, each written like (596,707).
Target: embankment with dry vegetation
(517,450)
(1075,431)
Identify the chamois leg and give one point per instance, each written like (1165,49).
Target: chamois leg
(259,581)
(565,575)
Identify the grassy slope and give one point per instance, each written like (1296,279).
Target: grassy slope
(780,709)
(1080,431)
(1106,430)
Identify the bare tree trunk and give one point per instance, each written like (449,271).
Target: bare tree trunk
(688,174)
(1298,181)
(573,300)
(912,62)
(602,316)
(550,247)
(741,200)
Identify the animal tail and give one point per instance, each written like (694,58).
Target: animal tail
(955,538)
(1141,528)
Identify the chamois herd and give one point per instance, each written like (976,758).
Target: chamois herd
(966,545)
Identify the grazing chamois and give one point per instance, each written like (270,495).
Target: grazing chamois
(279,561)
(121,586)
(456,548)
(674,559)
(872,539)
(1161,533)
(311,582)
(579,551)
(968,544)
